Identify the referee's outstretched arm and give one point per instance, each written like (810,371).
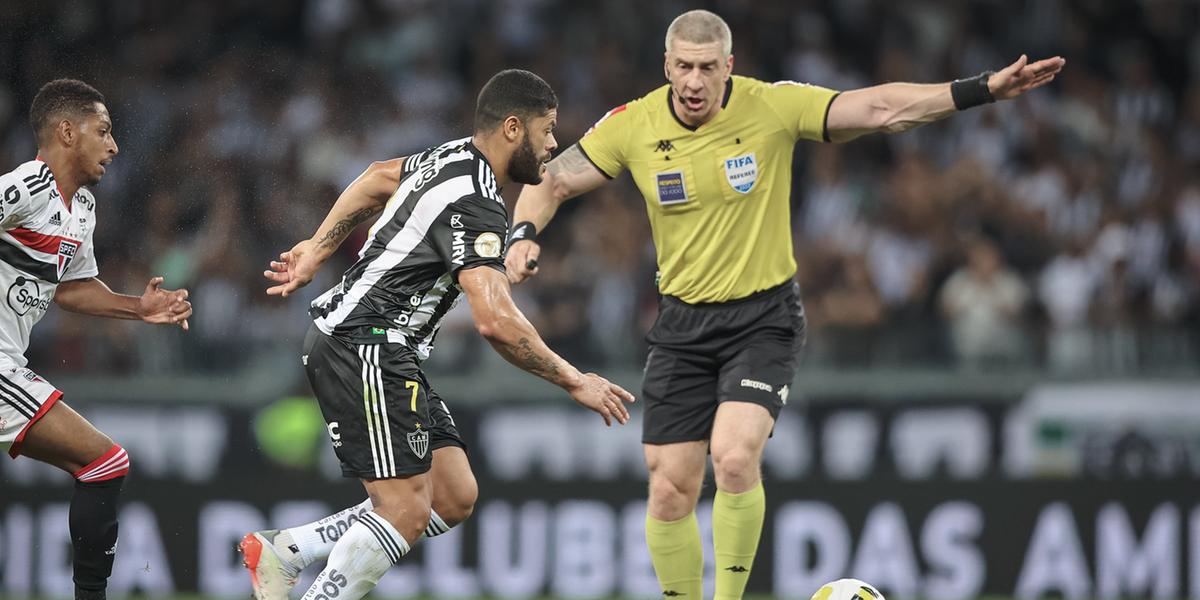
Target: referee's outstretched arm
(894,107)
(499,320)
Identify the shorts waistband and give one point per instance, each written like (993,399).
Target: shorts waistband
(759,295)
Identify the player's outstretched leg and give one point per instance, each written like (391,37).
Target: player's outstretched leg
(377,540)
(739,434)
(66,440)
(275,557)
(672,532)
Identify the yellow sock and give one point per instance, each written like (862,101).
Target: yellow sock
(737,525)
(677,556)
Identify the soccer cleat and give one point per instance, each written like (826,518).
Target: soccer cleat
(270,575)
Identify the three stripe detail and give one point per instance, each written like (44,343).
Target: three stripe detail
(113,464)
(379,430)
(40,182)
(16,397)
(389,539)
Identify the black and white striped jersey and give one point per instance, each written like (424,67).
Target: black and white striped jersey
(446,215)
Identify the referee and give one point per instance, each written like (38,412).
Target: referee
(711,154)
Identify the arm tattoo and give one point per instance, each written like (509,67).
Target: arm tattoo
(342,228)
(572,160)
(528,359)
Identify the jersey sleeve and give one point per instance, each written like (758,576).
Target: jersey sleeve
(15,201)
(470,233)
(802,107)
(413,160)
(606,142)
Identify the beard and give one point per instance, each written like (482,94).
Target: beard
(525,167)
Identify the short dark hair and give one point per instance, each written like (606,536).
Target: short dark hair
(59,98)
(512,92)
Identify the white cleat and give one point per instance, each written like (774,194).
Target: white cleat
(270,575)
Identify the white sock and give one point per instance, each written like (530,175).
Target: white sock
(311,542)
(308,543)
(359,558)
(436,525)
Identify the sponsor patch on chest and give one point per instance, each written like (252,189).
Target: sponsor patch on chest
(741,172)
(671,189)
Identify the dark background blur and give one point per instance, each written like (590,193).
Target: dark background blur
(1001,391)
(1059,232)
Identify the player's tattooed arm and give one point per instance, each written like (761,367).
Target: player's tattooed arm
(364,198)
(337,234)
(533,362)
(500,321)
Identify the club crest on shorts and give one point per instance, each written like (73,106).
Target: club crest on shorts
(741,172)
(418,441)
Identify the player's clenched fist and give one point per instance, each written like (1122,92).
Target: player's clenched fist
(604,397)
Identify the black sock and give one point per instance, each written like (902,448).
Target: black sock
(94,535)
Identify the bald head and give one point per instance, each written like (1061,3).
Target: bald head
(700,27)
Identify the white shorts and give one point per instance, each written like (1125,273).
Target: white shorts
(24,398)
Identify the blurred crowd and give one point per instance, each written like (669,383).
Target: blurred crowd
(1059,231)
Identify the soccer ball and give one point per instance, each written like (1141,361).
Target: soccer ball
(847,589)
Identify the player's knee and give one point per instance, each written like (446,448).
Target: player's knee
(461,503)
(409,517)
(110,465)
(735,468)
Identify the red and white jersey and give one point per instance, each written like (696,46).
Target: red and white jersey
(43,242)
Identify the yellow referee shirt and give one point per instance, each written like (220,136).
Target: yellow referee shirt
(717,194)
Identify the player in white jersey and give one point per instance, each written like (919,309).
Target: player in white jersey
(46,256)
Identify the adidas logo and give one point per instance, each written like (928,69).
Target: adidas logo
(736,569)
(56,219)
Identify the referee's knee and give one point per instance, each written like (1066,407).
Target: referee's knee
(736,469)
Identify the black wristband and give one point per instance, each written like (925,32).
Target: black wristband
(971,91)
(525,230)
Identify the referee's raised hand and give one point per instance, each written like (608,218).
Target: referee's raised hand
(521,261)
(1022,76)
(604,397)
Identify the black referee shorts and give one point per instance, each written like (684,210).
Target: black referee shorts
(381,415)
(746,350)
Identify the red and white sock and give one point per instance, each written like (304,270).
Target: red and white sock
(112,464)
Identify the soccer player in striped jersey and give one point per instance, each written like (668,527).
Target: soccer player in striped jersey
(47,218)
(440,235)
(711,153)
